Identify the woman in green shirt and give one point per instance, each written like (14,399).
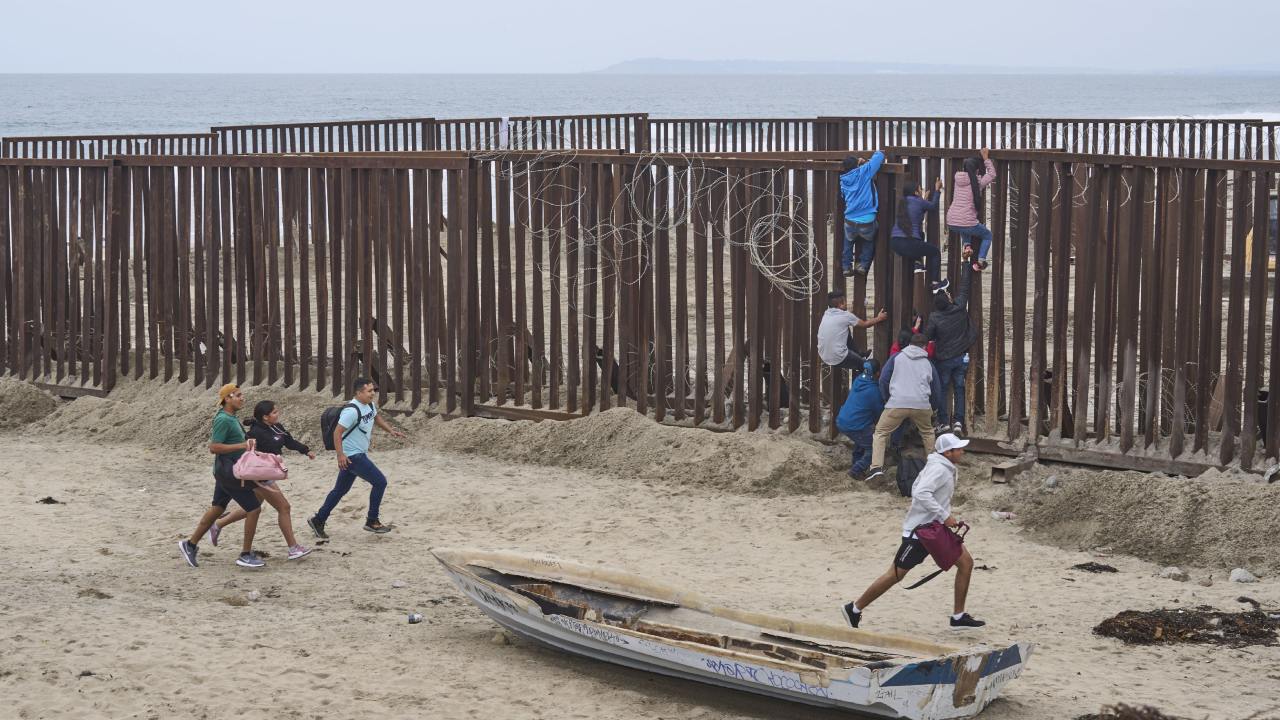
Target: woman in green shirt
(227,443)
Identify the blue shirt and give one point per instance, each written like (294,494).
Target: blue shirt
(862,407)
(861,202)
(357,441)
(916,208)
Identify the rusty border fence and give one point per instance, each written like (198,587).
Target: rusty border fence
(1124,321)
(1219,139)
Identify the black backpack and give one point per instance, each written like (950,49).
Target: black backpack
(329,421)
(909,468)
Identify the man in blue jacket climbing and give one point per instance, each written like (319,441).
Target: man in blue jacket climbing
(861,203)
(859,414)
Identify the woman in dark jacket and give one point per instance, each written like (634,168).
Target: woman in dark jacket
(270,437)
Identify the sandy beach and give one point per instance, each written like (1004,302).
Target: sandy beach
(101,618)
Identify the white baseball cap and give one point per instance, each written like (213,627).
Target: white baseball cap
(948,441)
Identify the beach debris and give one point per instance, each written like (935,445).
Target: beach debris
(1128,712)
(234,600)
(104,551)
(500,638)
(94,593)
(1240,575)
(1094,567)
(1250,601)
(253,596)
(86,673)
(1202,625)
(399,584)
(1174,572)
(1207,581)
(1002,515)
(50,500)
(1051,482)
(1103,551)
(414,618)
(1272,474)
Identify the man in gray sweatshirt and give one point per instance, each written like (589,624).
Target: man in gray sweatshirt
(931,495)
(909,385)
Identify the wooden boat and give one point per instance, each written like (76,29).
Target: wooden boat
(625,619)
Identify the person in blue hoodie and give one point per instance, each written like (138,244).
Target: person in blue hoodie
(861,204)
(859,414)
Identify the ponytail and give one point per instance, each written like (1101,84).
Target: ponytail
(971,166)
(909,190)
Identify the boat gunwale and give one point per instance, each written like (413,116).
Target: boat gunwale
(571,573)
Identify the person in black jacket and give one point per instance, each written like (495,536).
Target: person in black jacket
(952,332)
(270,437)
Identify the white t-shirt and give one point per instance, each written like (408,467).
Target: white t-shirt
(833,335)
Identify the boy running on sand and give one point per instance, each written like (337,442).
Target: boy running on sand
(930,500)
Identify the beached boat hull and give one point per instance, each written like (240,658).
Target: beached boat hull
(954,684)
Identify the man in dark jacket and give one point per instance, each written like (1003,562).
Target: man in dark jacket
(859,414)
(953,333)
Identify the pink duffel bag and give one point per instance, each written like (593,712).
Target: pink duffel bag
(259,467)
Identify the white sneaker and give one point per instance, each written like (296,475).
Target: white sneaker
(298,551)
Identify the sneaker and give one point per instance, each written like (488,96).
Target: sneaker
(853,618)
(862,269)
(298,551)
(374,526)
(214,532)
(875,472)
(857,473)
(920,268)
(966,621)
(941,285)
(846,269)
(983,264)
(250,560)
(976,266)
(317,528)
(189,552)
(958,429)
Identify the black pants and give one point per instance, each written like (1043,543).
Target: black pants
(853,361)
(914,248)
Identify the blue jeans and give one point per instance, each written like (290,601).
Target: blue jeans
(951,373)
(862,440)
(358,466)
(979,233)
(853,232)
(861,449)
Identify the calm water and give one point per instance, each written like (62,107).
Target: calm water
(84,104)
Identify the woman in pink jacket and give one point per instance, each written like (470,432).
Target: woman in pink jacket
(962,212)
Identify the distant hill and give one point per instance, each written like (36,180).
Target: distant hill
(667,66)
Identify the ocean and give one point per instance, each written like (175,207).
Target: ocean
(94,104)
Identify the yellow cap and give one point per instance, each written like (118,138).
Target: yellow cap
(226,390)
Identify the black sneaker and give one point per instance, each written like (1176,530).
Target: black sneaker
(189,552)
(966,621)
(874,473)
(374,526)
(941,285)
(853,618)
(317,528)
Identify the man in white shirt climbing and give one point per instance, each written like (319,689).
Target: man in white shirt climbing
(930,501)
(835,340)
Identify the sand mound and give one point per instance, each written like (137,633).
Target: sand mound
(23,403)
(624,443)
(174,416)
(1222,522)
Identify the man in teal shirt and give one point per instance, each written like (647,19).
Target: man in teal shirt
(351,437)
(227,443)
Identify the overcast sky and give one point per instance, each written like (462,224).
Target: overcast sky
(554,36)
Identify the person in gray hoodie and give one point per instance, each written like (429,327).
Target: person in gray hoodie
(910,387)
(931,495)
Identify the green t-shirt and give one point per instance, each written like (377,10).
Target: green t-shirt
(227,430)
